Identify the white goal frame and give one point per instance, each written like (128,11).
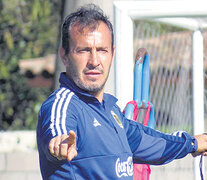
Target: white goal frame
(171,12)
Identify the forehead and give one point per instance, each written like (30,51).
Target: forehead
(77,31)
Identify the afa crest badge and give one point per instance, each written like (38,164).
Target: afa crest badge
(117,119)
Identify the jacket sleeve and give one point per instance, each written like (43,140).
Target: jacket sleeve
(153,147)
(52,124)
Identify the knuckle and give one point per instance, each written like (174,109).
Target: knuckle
(63,150)
(63,154)
(51,146)
(56,147)
(63,146)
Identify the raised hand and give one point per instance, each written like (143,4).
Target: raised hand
(202,145)
(64,146)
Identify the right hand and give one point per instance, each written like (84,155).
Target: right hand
(64,146)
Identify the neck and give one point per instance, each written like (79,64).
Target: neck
(98,95)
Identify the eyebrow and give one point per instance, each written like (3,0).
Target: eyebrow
(87,47)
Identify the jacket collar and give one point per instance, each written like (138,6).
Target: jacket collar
(108,100)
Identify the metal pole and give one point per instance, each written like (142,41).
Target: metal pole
(198,92)
(123,26)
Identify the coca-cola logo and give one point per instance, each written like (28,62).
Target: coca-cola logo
(124,168)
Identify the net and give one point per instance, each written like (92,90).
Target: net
(170,49)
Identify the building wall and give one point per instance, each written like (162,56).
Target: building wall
(19,156)
(19,166)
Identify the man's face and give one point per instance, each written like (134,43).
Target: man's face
(90,56)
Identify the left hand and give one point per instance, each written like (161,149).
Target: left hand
(202,145)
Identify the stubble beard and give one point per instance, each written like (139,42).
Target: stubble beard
(91,88)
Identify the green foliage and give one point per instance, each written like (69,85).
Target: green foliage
(28,29)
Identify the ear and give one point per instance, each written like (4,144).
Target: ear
(113,52)
(63,56)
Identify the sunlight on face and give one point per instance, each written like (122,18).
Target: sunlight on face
(90,57)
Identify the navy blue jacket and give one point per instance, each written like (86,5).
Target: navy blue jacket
(107,142)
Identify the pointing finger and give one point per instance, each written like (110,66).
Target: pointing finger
(72,138)
(72,152)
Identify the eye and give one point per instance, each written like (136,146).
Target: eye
(104,50)
(83,50)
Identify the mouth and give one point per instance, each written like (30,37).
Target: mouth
(93,75)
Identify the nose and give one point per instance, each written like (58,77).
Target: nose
(94,60)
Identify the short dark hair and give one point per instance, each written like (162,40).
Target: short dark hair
(86,16)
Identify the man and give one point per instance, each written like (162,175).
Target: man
(81,132)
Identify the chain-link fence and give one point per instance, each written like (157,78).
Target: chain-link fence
(170,50)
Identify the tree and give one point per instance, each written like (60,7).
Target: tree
(28,29)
